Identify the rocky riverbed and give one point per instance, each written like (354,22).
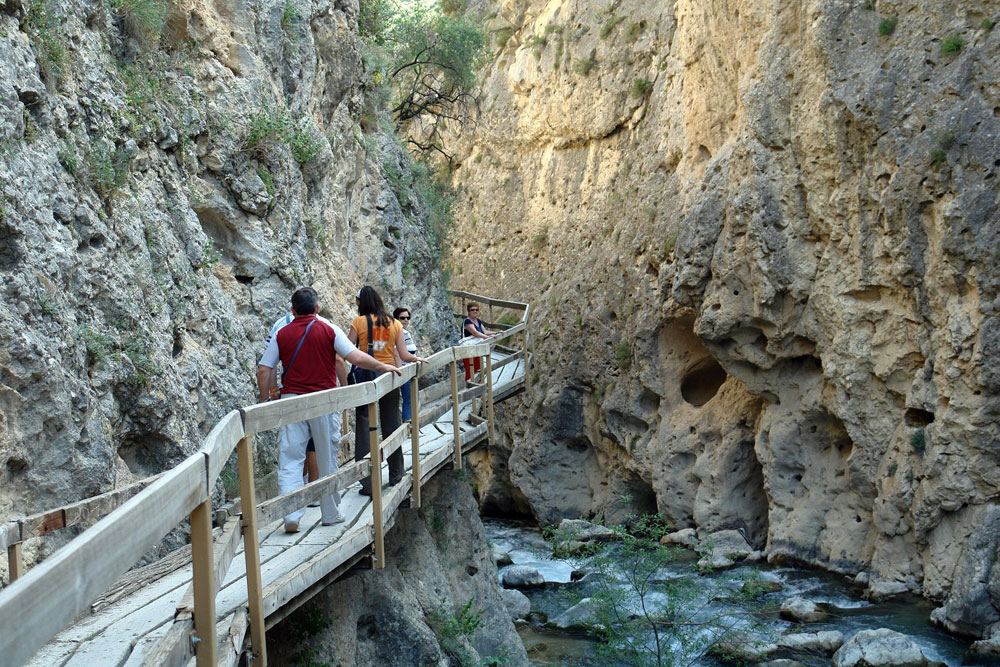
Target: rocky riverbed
(806,616)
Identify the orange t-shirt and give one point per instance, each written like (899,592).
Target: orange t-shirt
(384,338)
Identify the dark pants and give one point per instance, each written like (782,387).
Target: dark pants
(388,417)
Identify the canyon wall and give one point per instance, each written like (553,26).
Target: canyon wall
(161,199)
(760,239)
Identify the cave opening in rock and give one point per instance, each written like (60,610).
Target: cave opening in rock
(702,381)
(916,417)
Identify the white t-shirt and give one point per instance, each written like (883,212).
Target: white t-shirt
(342,345)
(411,347)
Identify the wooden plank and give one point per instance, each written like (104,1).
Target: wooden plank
(10,533)
(454,416)
(220,443)
(435,392)
(434,461)
(295,581)
(489,396)
(471,351)
(513,305)
(509,333)
(174,648)
(226,548)
(84,512)
(415,442)
(469,394)
(395,441)
(507,360)
(376,458)
(273,414)
(52,594)
(251,548)
(388,381)
(204,583)
(431,415)
(437,360)
(15,561)
(139,578)
(233,630)
(312,492)
(309,592)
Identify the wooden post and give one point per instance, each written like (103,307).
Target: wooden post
(489,394)
(493,320)
(454,415)
(204,583)
(15,561)
(527,365)
(376,457)
(415,439)
(251,548)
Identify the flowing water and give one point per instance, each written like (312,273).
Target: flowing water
(849,612)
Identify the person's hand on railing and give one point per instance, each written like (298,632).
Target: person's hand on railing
(420,360)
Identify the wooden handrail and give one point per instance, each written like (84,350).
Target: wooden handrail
(42,602)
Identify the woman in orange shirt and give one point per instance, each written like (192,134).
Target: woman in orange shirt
(386,336)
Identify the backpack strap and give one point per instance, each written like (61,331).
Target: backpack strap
(297,348)
(371,343)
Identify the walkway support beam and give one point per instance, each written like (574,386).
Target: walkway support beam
(454,415)
(15,561)
(204,583)
(415,440)
(251,549)
(376,454)
(489,396)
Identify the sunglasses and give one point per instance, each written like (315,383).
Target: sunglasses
(405,317)
(473,310)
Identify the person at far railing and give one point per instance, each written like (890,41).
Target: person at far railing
(473,326)
(308,347)
(403,315)
(380,334)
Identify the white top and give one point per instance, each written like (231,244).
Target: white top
(411,347)
(278,323)
(342,345)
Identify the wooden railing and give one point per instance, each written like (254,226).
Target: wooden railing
(42,601)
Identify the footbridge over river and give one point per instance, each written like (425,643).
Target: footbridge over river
(211,602)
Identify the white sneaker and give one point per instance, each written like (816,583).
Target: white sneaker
(291,526)
(340,519)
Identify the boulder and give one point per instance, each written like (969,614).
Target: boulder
(685,538)
(580,616)
(755,587)
(522,576)
(741,650)
(782,662)
(880,648)
(584,531)
(825,643)
(723,549)
(501,557)
(517,603)
(802,610)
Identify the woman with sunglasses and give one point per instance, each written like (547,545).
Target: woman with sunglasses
(403,315)
(473,326)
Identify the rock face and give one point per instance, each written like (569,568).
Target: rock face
(158,206)
(411,612)
(761,247)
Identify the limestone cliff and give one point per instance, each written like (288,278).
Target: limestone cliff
(437,602)
(761,238)
(160,202)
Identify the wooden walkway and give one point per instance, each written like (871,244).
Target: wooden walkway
(145,617)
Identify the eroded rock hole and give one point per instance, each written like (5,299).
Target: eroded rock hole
(702,382)
(917,417)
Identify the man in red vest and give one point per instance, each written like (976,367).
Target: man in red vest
(308,347)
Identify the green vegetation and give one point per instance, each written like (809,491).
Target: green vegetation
(952,44)
(540,240)
(142,20)
(887,26)
(918,440)
(584,65)
(48,38)
(105,168)
(641,618)
(987,25)
(68,158)
(145,368)
(268,127)
(537,44)
(623,355)
(633,30)
(641,87)
(96,343)
(290,18)
(502,36)
(893,467)
(610,25)
(265,176)
(939,158)
(453,627)
(304,144)
(209,255)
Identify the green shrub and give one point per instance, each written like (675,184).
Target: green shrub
(986,25)
(893,467)
(610,25)
(919,441)
(106,169)
(143,20)
(47,37)
(584,65)
(305,146)
(624,356)
(374,20)
(96,344)
(887,26)
(268,127)
(290,16)
(633,30)
(452,627)
(641,87)
(265,176)
(68,158)
(952,44)
(537,44)
(938,158)
(502,36)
